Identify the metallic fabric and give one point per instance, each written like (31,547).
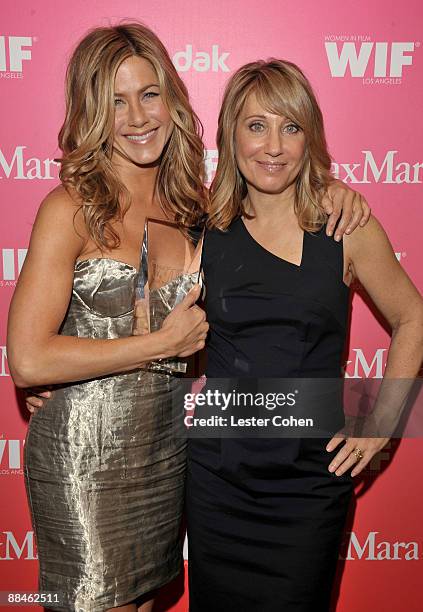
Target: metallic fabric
(105,464)
(162,301)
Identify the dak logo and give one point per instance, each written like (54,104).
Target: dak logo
(381,58)
(13,52)
(201,61)
(12,262)
(12,548)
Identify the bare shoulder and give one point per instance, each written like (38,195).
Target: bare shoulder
(58,228)
(61,211)
(59,202)
(370,258)
(371,238)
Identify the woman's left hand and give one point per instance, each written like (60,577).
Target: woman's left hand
(354,208)
(356,452)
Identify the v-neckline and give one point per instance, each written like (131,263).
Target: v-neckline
(262,248)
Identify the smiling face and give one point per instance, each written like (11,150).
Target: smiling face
(143,124)
(269,149)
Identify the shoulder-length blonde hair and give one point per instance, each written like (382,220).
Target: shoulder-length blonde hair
(282,89)
(86,137)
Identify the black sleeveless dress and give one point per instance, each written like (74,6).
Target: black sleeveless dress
(265,516)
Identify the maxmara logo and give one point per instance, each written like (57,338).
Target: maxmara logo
(20,165)
(375,548)
(14,50)
(12,547)
(10,266)
(11,456)
(201,61)
(376,63)
(385,169)
(366,366)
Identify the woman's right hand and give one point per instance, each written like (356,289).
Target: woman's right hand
(186,326)
(34,399)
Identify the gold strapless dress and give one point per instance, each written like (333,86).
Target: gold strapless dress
(105,464)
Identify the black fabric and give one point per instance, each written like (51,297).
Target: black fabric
(265,517)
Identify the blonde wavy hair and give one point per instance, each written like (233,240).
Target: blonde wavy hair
(282,89)
(86,137)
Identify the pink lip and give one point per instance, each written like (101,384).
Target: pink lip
(142,138)
(272,166)
(141,133)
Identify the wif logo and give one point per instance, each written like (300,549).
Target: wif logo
(4,369)
(13,51)
(380,62)
(11,264)
(11,456)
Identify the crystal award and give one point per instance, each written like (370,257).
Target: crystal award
(169,268)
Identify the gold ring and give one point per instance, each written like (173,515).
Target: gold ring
(358,454)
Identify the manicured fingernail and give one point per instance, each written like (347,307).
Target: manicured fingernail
(330,232)
(348,230)
(337,237)
(331,468)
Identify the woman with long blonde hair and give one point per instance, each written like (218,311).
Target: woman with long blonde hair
(265,516)
(104,466)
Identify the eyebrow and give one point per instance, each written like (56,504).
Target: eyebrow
(118,93)
(286,119)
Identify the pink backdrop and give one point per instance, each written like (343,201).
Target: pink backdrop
(365,61)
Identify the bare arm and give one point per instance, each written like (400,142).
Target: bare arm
(370,258)
(37,354)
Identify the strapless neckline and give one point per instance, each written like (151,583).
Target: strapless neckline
(95,259)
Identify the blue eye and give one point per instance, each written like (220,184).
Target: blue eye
(256,126)
(291,128)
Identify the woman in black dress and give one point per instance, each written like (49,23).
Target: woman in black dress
(265,516)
